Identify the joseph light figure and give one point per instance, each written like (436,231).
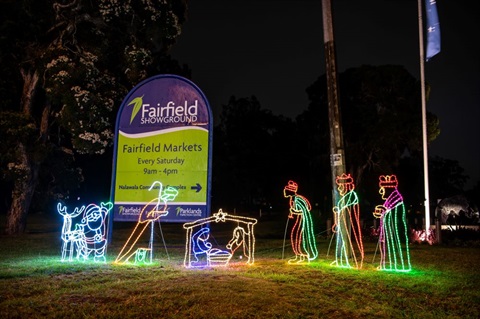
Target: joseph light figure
(150,213)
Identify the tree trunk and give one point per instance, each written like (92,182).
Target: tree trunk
(25,183)
(30,81)
(22,194)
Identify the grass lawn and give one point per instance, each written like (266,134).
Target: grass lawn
(35,284)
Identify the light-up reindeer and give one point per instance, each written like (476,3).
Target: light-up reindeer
(148,216)
(71,238)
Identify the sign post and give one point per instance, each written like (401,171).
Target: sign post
(164,134)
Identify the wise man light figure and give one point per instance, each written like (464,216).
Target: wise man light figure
(302,235)
(393,239)
(349,245)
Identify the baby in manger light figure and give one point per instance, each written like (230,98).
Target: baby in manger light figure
(302,235)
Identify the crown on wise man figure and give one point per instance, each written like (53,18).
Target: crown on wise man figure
(344,179)
(292,186)
(388,181)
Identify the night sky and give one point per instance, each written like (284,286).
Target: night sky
(274,50)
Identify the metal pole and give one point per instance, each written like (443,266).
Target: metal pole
(424,120)
(337,156)
(336,136)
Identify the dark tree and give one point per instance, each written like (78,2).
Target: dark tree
(69,65)
(381,117)
(251,147)
(447,178)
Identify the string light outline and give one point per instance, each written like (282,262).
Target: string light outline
(302,233)
(88,236)
(148,216)
(70,238)
(216,256)
(348,201)
(390,238)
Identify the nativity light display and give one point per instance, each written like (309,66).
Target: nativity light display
(302,235)
(349,245)
(88,237)
(149,214)
(200,251)
(393,238)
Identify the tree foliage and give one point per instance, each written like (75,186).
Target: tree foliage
(381,117)
(248,155)
(69,65)
(447,177)
(256,151)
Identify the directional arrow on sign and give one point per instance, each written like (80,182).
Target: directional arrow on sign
(198,187)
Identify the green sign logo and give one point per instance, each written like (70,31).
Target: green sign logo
(137,105)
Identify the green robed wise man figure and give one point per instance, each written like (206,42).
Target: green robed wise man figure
(302,235)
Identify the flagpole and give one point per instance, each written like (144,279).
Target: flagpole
(424,121)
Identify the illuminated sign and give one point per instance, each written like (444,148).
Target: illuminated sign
(163,132)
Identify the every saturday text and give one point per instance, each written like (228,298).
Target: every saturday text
(160,161)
